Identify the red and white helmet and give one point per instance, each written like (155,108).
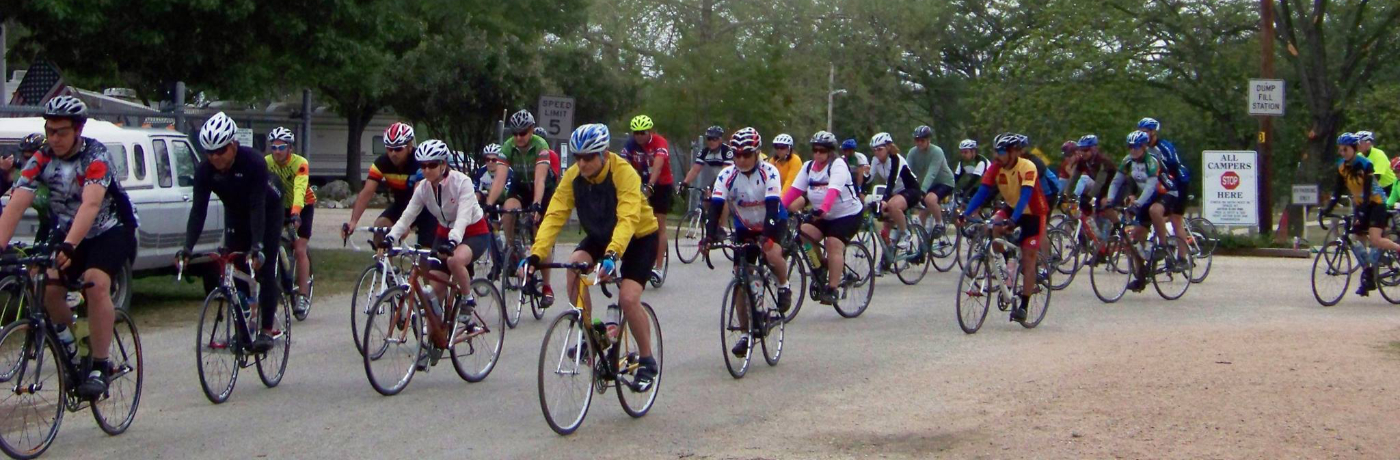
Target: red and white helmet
(746,140)
(398,135)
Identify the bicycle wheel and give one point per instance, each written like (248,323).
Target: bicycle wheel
(638,403)
(857,281)
(1201,258)
(689,230)
(974,294)
(218,347)
(943,250)
(1039,302)
(566,373)
(116,409)
(911,268)
(1061,252)
(367,288)
(1171,279)
(36,395)
(1331,273)
(393,340)
(12,299)
(1203,226)
(731,329)
(534,296)
(772,324)
(513,287)
(272,366)
(292,269)
(476,344)
(1110,276)
(1388,277)
(797,281)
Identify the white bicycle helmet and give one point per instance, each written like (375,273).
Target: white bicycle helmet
(398,135)
(66,107)
(431,150)
(1137,139)
(589,139)
(824,139)
(491,151)
(783,140)
(217,132)
(967,144)
(520,121)
(881,139)
(281,134)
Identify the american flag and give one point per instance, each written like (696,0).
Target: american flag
(41,83)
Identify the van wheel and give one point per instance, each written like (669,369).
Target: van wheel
(121,289)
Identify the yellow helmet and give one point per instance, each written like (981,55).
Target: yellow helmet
(642,123)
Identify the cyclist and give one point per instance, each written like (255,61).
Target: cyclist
(252,202)
(901,189)
(620,230)
(1385,177)
(527,156)
(971,166)
(398,171)
(485,178)
(1090,171)
(938,178)
(9,170)
(650,155)
(89,205)
(299,204)
(859,164)
(753,188)
(1180,178)
(715,156)
(1156,195)
(826,182)
(785,159)
(1357,176)
(449,196)
(28,147)
(1017,179)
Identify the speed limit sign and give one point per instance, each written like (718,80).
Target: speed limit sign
(556,116)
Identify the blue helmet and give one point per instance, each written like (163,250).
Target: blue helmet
(848,144)
(1149,123)
(1137,139)
(589,139)
(1004,141)
(1348,139)
(1089,140)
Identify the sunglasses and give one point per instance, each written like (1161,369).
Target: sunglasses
(748,154)
(711,138)
(820,150)
(279,148)
(219,151)
(1001,152)
(524,133)
(431,164)
(396,149)
(578,157)
(639,133)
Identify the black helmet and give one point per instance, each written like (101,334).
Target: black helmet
(520,121)
(923,132)
(715,131)
(32,142)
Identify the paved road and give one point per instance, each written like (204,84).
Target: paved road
(1094,380)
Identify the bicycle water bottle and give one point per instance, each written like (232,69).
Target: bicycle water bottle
(756,287)
(614,320)
(813,256)
(65,337)
(432,300)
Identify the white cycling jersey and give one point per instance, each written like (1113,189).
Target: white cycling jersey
(451,201)
(836,175)
(748,191)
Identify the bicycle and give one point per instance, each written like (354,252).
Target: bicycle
(857,261)
(1338,255)
(1158,261)
(517,291)
(756,288)
(227,325)
(287,272)
(579,355)
(690,234)
(43,375)
(986,275)
(798,267)
(942,248)
(408,322)
(382,273)
(908,262)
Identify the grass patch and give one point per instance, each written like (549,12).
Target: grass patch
(336,272)
(1231,241)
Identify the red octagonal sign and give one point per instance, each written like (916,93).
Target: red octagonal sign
(1230,180)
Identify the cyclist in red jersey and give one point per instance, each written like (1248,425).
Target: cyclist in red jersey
(650,155)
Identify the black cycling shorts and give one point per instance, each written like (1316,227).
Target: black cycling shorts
(478,245)
(109,252)
(1031,226)
(1368,216)
(1177,207)
(661,197)
(912,197)
(843,228)
(637,261)
(308,213)
(942,190)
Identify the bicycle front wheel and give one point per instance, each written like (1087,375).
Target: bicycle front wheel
(1388,277)
(116,409)
(857,281)
(567,365)
(731,329)
(1064,259)
(1110,274)
(1331,273)
(36,394)
(638,403)
(12,299)
(272,366)
(943,249)
(797,279)
(1171,278)
(689,230)
(477,342)
(393,341)
(974,294)
(367,289)
(217,346)
(1039,302)
(911,268)
(1201,257)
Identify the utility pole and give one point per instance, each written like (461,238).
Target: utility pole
(831,93)
(4,71)
(1266,123)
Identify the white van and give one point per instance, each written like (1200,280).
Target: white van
(156,167)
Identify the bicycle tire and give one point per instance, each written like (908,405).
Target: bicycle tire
(1104,274)
(367,289)
(536,301)
(399,313)
(1207,229)
(730,331)
(1164,278)
(219,308)
(852,277)
(689,229)
(580,369)
(272,366)
(123,395)
(23,337)
(1039,303)
(974,295)
(1198,254)
(913,269)
(1387,278)
(12,298)
(797,282)
(648,398)
(486,295)
(1064,259)
(773,324)
(1335,260)
(943,251)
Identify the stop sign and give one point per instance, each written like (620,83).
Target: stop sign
(1229,180)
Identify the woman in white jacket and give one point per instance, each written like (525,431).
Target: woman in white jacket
(450,197)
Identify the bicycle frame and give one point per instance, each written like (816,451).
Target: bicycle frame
(597,343)
(419,299)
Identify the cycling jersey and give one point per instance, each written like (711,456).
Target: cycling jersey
(295,176)
(485,176)
(642,156)
(1167,156)
(1011,182)
(1358,178)
(711,161)
(1093,171)
(452,202)
(251,198)
(65,179)
(397,178)
(935,167)
(787,169)
(523,162)
(751,194)
(1385,177)
(610,207)
(894,170)
(968,173)
(828,187)
(1146,174)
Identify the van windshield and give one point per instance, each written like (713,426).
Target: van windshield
(118,154)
